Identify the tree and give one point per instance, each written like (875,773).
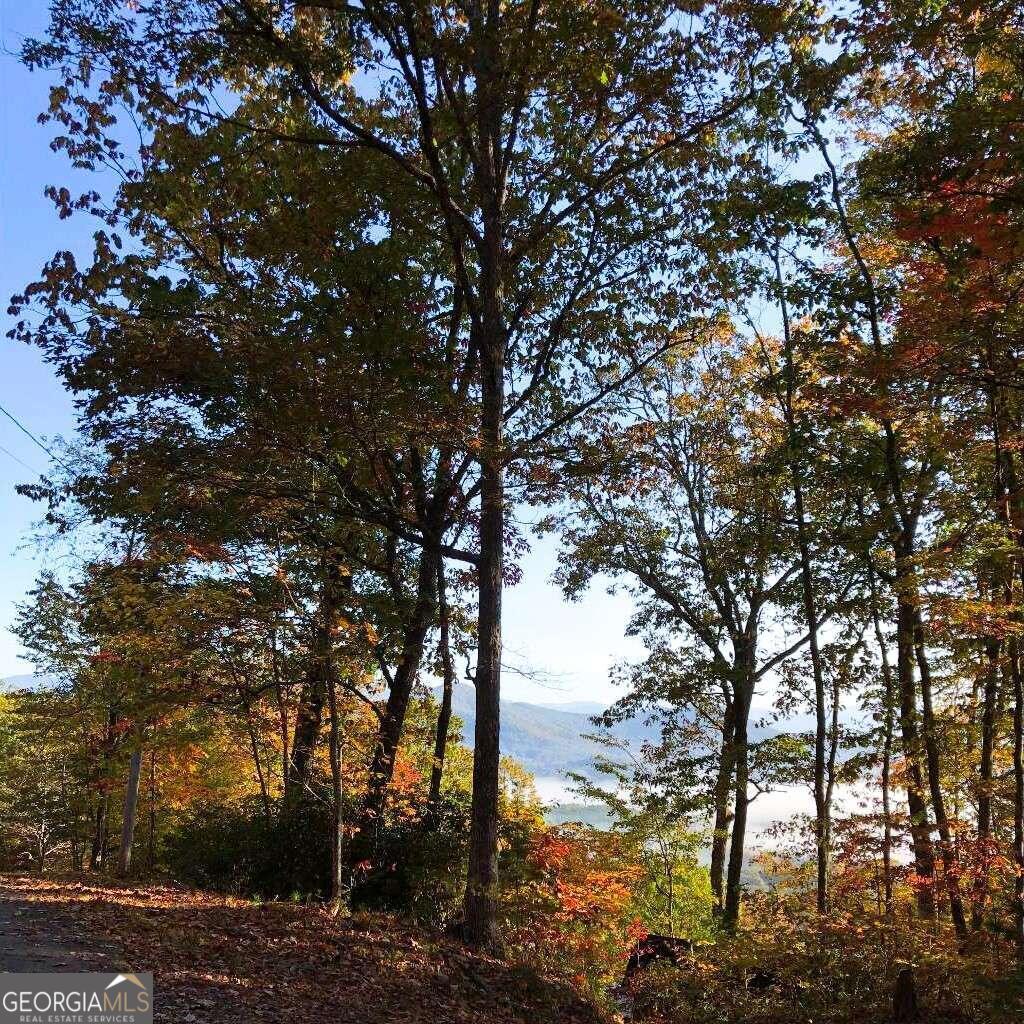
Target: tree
(678,491)
(42,792)
(541,142)
(947,173)
(649,811)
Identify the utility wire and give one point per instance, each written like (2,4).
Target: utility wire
(28,433)
(18,461)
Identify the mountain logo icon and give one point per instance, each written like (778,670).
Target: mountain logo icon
(131,978)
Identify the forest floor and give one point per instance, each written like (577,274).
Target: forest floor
(45,935)
(217,960)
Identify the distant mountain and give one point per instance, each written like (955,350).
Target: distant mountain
(551,739)
(578,707)
(583,814)
(28,681)
(547,740)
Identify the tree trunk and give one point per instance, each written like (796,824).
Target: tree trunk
(151,852)
(904,525)
(105,851)
(341,888)
(444,715)
(950,867)
(282,706)
(822,801)
(920,831)
(723,815)
(389,734)
(131,802)
(99,832)
(1011,514)
(838,682)
(904,998)
(490,336)
(744,693)
(889,691)
(97,855)
(822,805)
(310,716)
(258,764)
(1018,794)
(308,724)
(985,764)
(482,879)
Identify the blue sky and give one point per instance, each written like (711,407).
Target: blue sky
(29,234)
(571,645)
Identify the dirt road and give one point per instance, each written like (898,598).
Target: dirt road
(44,937)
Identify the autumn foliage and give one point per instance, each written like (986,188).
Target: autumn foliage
(722,301)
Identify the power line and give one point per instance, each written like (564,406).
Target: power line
(17,460)
(32,437)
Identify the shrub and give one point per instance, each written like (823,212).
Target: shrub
(787,965)
(240,850)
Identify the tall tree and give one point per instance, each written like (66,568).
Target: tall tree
(542,141)
(131,803)
(678,491)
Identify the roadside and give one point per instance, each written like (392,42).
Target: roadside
(218,960)
(43,936)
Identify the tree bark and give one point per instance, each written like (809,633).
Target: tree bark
(723,816)
(389,734)
(308,725)
(1011,514)
(97,854)
(444,714)
(950,867)
(258,764)
(744,694)
(151,850)
(99,831)
(341,888)
(920,830)
(1018,794)
(131,802)
(822,805)
(491,341)
(282,706)
(310,715)
(979,897)
(482,878)
(889,691)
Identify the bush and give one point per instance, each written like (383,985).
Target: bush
(416,866)
(412,864)
(409,866)
(240,850)
(787,965)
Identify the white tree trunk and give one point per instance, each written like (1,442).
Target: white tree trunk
(131,801)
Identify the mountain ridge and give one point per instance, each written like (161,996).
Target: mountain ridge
(544,739)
